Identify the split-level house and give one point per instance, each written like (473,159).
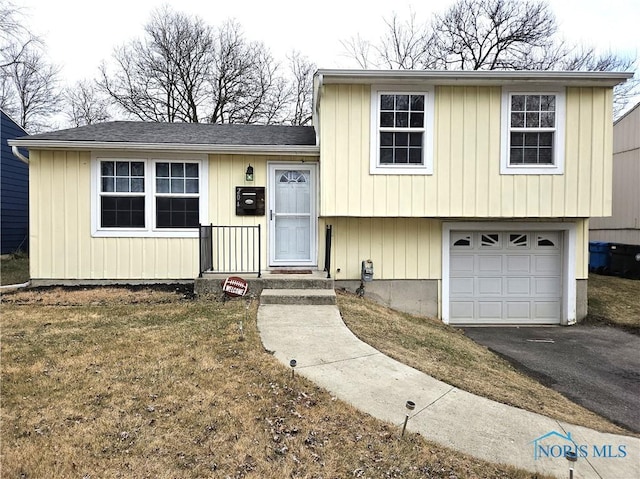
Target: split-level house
(470,193)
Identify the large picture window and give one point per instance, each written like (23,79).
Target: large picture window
(148,196)
(402,132)
(533,133)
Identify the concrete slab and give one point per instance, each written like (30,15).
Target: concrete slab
(298,296)
(331,356)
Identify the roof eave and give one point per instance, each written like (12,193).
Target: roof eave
(475,77)
(284,150)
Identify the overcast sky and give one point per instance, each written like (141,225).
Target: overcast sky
(79,34)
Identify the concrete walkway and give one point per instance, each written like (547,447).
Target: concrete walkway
(331,356)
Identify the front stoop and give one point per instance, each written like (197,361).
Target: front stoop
(211,283)
(298,296)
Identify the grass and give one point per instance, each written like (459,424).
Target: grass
(614,301)
(138,383)
(448,355)
(14,269)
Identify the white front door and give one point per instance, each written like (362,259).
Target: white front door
(292,214)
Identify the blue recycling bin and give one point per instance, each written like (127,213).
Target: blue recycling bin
(599,257)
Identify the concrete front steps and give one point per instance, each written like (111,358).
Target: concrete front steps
(276,288)
(298,296)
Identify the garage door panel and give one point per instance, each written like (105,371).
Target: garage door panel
(462,286)
(547,310)
(518,286)
(505,277)
(547,264)
(490,310)
(462,310)
(546,286)
(490,264)
(518,263)
(489,286)
(462,264)
(517,310)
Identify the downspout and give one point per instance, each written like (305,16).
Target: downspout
(19,155)
(317,88)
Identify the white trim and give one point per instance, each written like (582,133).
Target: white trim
(268,150)
(568,258)
(557,168)
(426,168)
(475,77)
(313,202)
(150,158)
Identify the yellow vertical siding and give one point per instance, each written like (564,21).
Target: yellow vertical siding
(466,181)
(582,248)
(400,248)
(60,222)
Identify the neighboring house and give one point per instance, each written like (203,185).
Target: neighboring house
(624,224)
(470,192)
(14,191)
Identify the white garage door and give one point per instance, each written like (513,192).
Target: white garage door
(505,277)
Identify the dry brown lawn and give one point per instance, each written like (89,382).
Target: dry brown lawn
(137,383)
(14,269)
(615,301)
(448,355)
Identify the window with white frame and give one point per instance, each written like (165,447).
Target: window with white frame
(402,131)
(148,196)
(532,131)
(177,195)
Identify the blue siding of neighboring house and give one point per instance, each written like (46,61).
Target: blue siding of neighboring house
(14,191)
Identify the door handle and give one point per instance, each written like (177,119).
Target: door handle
(271,215)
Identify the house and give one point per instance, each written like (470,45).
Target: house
(470,193)
(624,224)
(14,191)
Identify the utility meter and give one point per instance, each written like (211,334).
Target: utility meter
(367,270)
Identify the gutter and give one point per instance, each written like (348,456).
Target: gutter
(317,91)
(476,77)
(17,154)
(271,150)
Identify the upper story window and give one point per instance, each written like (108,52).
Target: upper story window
(402,131)
(148,196)
(532,131)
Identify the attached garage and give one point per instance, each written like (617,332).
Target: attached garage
(507,276)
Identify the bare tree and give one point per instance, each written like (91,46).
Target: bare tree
(184,70)
(486,35)
(245,80)
(15,38)
(163,77)
(32,86)
(492,34)
(84,105)
(28,82)
(302,71)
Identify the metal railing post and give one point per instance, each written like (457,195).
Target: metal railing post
(327,249)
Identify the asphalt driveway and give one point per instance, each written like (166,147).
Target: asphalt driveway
(595,366)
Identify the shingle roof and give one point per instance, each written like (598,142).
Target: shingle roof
(184,133)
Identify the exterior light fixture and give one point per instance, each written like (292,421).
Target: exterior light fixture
(249,173)
(293,363)
(571,456)
(410,405)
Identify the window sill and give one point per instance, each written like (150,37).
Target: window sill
(137,233)
(400,170)
(531,170)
